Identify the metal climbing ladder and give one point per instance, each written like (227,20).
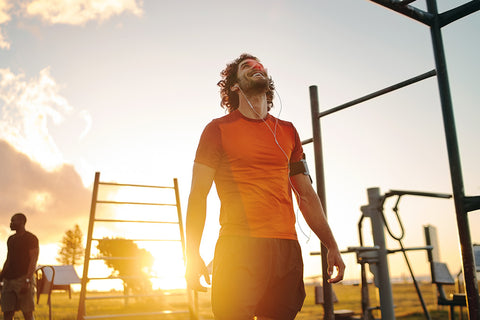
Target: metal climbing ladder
(158,215)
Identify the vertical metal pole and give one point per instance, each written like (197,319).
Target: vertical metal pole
(192,295)
(320,177)
(455,166)
(86,261)
(382,274)
(180,218)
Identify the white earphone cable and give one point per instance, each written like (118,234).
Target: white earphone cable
(274,133)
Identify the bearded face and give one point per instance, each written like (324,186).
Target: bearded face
(252,77)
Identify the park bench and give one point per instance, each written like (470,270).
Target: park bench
(63,277)
(49,278)
(441,274)
(340,314)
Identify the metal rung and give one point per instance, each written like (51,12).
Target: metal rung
(167,220)
(133,185)
(136,203)
(121,278)
(164,294)
(133,296)
(126,315)
(133,221)
(114,258)
(163,240)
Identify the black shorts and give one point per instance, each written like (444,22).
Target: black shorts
(257,277)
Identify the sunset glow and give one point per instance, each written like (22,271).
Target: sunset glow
(125,88)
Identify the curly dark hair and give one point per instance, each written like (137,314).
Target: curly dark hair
(230,99)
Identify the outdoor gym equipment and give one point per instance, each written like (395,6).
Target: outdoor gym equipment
(376,256)
(463,204)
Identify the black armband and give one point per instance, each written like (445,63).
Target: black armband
(300,167)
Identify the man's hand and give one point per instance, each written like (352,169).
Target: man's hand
(334,260)
(196,268)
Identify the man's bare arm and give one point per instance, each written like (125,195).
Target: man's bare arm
(202,179)
(33,255)
(312,210)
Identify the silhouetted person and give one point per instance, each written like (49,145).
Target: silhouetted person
(256,161)
(17,273)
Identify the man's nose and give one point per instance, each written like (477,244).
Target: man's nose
(257,66)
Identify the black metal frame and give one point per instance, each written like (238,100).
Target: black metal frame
(463,204)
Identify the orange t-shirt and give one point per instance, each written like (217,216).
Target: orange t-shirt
(252,175)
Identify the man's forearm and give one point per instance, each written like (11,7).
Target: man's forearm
(33,262)
(195,223)
(312,210)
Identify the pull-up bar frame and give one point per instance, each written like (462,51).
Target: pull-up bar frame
(463,204)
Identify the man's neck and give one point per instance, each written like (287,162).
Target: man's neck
(20,231)
(253,107)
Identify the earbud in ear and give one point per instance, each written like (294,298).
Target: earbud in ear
(235,87)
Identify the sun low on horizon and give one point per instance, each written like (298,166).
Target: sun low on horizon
(147,216)
(126,87)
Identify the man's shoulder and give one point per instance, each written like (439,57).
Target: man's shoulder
(232,116)
(218,122)
(283,123)
(286,123)
(31,236)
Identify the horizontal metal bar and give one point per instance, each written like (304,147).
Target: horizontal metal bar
(128,315)
(123,297)
(459,12)
(409,11)
(411,249)
(163,294)
(134,296)
(113,258)
(417,193)
(134,221)
(472,203)
(307,141)
(405,2)
(360,250)
(133,185)
(399,85)
(137,203)
(146,240)
(122,277)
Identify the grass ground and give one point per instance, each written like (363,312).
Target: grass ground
(407,305)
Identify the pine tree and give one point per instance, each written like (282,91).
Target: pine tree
(72,250)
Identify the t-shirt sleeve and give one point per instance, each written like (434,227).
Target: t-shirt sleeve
(297,152)
(209,150)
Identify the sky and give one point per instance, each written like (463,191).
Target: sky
(125,88)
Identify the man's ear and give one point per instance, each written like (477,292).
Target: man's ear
(235,87)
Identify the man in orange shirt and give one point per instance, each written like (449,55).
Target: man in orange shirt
(256,161)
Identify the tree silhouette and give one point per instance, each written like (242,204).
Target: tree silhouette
(131,264)
(72,250)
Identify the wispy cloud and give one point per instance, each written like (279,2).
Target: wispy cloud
(34,178)
(27,107)
(79,12)
(72,12)
(52,200)
(4,18)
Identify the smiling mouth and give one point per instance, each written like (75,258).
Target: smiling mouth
(258,75)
